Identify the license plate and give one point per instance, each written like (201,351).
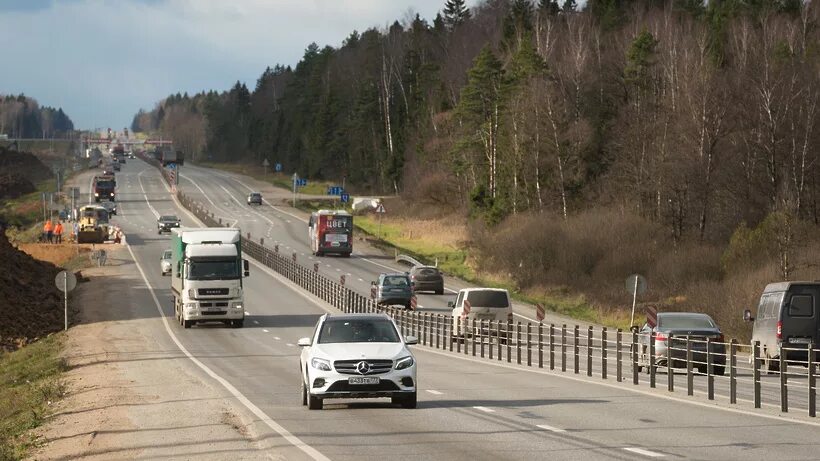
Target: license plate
(362,380)
(800,340)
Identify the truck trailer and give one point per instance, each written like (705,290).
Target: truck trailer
(206,276)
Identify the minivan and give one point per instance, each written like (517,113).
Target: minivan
(486,304)
(787,317)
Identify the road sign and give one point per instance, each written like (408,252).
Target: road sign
(335,190)
(380,209)
(278,167)
(172,166)
(265,163)
(345,198)
(540,313)
(651,316)
(300,182)
(65,281)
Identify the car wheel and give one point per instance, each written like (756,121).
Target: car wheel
(409,401)
(313,402)
(238,323)
(440,291)
(303,391)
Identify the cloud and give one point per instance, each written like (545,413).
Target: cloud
(103,60)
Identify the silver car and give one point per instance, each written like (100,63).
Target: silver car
(165,262)
(670,341)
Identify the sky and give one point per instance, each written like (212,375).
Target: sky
(102,60)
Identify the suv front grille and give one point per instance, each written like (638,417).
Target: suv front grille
(350,367)
(343,386)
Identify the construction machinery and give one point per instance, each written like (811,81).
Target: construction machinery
(93,224)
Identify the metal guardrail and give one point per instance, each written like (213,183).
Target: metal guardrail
(409,260)
(726,370)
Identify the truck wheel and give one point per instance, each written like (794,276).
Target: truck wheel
(187,323)
(314,403)
(440,291)
(238,323)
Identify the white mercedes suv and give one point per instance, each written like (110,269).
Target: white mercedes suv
(357,356)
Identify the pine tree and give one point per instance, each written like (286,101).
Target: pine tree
(455,13)
(569,6)
(549,7)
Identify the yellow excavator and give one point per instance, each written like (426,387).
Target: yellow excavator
(93,224)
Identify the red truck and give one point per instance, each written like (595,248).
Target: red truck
(331,231)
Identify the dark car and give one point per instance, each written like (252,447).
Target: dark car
(110,206)
(254,198)
(116,167)
(166,223)
(427,278)
(392,289)
(670,341)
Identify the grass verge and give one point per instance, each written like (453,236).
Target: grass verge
(277,179)
(29,383)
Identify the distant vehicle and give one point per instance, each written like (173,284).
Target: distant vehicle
(105,187)
(165,262)
(357,356)
(116,166)
(172,156)
(167,222)
(788,316)
(392,289)
(427,278)
(254,198)
(485,304)
(206,276)
(697,327)
(331,232)
(93,224)
(110,206)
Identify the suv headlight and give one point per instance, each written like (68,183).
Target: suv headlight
(405,362)
(320,364)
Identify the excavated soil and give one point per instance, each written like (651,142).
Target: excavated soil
(31,306)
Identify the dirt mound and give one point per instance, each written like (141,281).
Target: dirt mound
(13,185)
(25,164)
(32,306)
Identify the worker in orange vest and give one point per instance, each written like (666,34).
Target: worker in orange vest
(58,232)
(48,231)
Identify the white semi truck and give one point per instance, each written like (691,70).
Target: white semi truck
(206,276)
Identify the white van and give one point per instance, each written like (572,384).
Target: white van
(485,304)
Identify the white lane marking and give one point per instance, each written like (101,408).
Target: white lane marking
(485,409)
(434,392)
(338,270)
(277,338)
(256,322)
(292,439)
(205,195)
(361,280)
(231,195)
(641,451)
(290,345)
(419,306)
(266,331)
(145,194)
(549,428)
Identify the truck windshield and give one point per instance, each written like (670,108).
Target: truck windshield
(105,184)
(213,269)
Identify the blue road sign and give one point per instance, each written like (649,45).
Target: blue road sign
(172,166)
(302,182)
(345,197)
(278,167)
(335,190)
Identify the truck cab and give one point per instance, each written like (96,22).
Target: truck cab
(206,276)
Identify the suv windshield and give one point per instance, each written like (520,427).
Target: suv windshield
(213,269)
(488,298)
(358,331)
(169,219)
(396,281)
(685,321)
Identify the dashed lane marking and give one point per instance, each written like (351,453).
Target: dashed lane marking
(644,452)
(266,331)
(434,392)
(484,409)
(550,428)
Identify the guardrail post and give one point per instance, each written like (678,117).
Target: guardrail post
(589,351)
(518,342)
(426,325)
(473,331)
(509,341)
(552,346)
(438,331)
(784,381)
(540,345)
(634,353)
(564,347)
(529,344)
(575,349)
(811,382)
(603,353)
(710,371)
(652,369)
(619,377)
(670,371)
(690,375)
(498,338)
(452,337)
(458,334)
(481,331)
(756,371)
(733,371)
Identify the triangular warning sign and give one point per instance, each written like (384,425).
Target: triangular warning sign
(380,209)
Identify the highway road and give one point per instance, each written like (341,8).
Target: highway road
(468,409)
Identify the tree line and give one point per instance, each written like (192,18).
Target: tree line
(696,116)
(23,117)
